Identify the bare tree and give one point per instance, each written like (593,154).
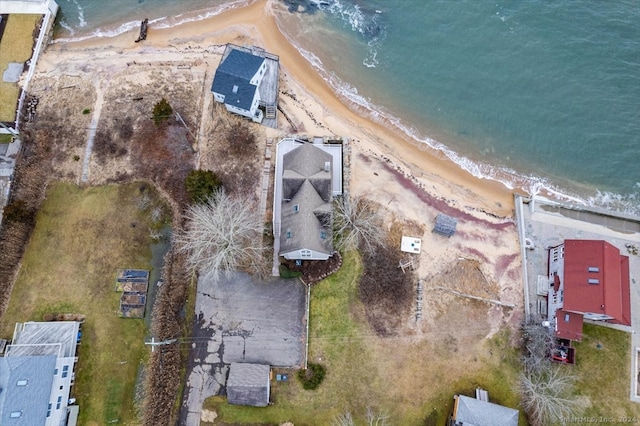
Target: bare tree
(377,418)
(372,417)
(547,395)
(547,389)
(343,419)
(223,235)
(357,223)
(538,342)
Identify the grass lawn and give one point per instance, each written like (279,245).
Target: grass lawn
(603,367)
(82,237)
(16,46)
(410,379)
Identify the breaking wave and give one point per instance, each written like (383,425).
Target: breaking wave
(531,184)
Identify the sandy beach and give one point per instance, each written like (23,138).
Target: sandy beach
(410,180)
(96,83)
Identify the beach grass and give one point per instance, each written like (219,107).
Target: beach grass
(16,46)
(603,373)
(81,238)
(399,376)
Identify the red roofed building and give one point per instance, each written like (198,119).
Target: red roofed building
(587,279)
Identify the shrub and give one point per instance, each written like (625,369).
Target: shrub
(18,211)
(76,158)
(86,111)
(287,273)
(162,112)
(312,376)
(201,184)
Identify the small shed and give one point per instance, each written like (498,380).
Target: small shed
(445,225)
(248,384)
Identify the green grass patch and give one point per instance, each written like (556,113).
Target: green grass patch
(6,138)
(603,372)
(81,237)
(287,273)
(405,377)
(16,46)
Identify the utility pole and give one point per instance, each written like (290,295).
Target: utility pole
(153,343)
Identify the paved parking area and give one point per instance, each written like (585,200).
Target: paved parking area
(242,320)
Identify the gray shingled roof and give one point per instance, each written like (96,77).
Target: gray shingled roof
(307,185)
(248,384)
(474,412)
(33,398)
(236,71)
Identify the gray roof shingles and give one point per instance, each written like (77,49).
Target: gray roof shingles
(307,185)
(236,70)
(248,384)
(480,413)
(33,398)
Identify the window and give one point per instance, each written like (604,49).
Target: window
(594,269)
(55,372)
(65,371)
(296,208)
(566,317)
(323,235)
(305,253)
(288,234)
(594,281)
(49,410)
(58,403)
(22,382)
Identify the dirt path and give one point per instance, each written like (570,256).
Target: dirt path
(92,132)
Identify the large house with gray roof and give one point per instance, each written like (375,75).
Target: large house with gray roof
(36,374)
(308,176)
(236,83)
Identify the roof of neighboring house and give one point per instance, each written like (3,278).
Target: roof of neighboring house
(306,212)
(596,279)
(30,399)
(569,325)
(232,78)
(471,411)
(45,338)
(248,384)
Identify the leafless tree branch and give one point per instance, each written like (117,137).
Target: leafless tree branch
(357,223)
(223,235)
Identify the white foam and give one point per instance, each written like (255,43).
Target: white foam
(510,178)
(158,23)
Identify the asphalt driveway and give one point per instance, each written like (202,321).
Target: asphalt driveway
(240,319)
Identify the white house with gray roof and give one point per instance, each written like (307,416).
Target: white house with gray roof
(308,176)
(37,372)
(237,80)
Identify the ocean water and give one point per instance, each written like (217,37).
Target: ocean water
(537,94)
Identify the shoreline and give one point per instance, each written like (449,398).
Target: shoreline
(257,23)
